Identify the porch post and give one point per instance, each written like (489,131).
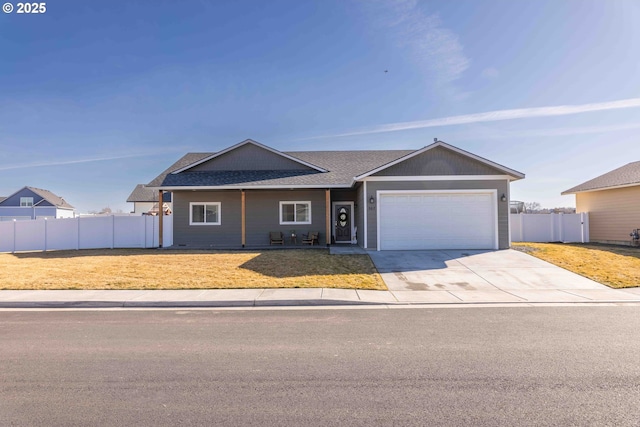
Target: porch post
(160,217)
(328,216)
(243,220)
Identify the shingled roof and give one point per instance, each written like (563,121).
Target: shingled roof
(142,193)
(625,176)
(341,167)
(320,169)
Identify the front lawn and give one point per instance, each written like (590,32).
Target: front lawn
(186,269)
(614,266)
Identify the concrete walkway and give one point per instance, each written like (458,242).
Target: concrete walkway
(299,297)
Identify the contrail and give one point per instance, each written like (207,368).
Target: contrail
(494,116)
(69,162)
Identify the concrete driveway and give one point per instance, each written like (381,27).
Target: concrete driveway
(448,276)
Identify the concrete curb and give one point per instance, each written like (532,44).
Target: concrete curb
(285,303)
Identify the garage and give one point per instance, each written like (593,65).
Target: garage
(462,219)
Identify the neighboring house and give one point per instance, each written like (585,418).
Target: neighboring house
(613,203)
(437,197)
(32,203)
(145,200)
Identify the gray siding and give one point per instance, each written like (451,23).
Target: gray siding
(226,235)
(500,185)
(263,214)
(262,217)
(249,157)
(439,161)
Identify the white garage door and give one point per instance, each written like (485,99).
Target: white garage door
(437,220)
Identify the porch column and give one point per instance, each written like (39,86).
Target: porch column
(328,216)
(160,217)
(243,220)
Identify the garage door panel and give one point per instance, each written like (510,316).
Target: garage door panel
(437,221)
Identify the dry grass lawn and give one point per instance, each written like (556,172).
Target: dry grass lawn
(167,269)
(614,266)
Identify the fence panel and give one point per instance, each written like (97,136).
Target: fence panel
(62,234)
(84,233)
(550,228)
(30,234)
(96,232)
(7,236)
(129,231)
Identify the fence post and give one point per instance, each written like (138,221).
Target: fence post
(45,235)
(78,242)
(561,228)
(14,237)
(113,231)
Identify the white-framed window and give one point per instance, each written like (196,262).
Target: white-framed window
(295,213)
(26,201)
(204,213)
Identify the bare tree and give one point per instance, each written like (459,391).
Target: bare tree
(532,207)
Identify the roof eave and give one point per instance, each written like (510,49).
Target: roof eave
(250,187)
(591,190)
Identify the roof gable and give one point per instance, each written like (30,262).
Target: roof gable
(441,158)
(624,176)
(40,198)
(249,155)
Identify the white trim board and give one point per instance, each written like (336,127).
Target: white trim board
(438,178)
(250,187)
(613,187)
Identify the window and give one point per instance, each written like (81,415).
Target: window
(26,201)
(204,213)
(295,212)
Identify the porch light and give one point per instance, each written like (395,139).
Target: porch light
(503,198)
(371,200)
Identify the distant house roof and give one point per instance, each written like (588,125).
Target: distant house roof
(325,169)
(47,195)
(144,194)
(625,176)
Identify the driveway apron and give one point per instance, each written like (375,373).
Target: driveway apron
(472,275)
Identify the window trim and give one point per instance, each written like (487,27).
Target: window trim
(294,202)
(26,201)
(217,204)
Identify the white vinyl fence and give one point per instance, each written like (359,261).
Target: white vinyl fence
(550,228)
(99,232)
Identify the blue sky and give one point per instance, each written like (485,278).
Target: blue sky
(96,97)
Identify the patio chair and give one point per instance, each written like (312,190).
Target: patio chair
(276,238)
(310,238)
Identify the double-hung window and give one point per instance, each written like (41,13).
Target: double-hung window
(26,201)
(295,213)
(204,213)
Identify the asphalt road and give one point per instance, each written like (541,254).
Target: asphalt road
(468,366)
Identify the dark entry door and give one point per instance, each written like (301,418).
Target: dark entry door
(343,223)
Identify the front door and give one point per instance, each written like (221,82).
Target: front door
(343,223)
